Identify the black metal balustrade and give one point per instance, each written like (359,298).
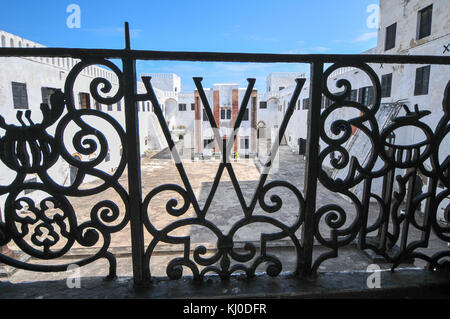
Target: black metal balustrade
(30,149)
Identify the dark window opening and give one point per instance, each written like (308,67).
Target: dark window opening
(245,115)
(192,106)
(245,143)
(263,105)
(225,114)
(306,104)
(354,96)
(422,80)
(20,96)
(46,94)
(386,85)
(182,107)
(390,37)
(208,144)
(424,22)
(366,95)
(205,116)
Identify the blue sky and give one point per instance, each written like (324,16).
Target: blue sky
(283,26)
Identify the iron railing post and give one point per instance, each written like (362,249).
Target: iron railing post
(312,164)
(134,165)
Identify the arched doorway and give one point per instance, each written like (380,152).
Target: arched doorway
(263,144)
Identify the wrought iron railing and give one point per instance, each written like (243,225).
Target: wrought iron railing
(30,149)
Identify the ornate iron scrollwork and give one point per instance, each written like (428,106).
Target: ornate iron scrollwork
(409,158)
(48,230)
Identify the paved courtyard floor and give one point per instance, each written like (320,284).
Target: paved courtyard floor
(225,211)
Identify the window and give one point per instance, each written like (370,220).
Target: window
(11,43)
(386,84)
(225,114)
(3,41)
(424,22)
(245,115)
(110,108)
(208,144)
(138,105)
(422,80)
(182,107)
(306,104)
(281,88)
(326,102)
(354,96)
(108,157)
(263,105)
(119,106)
(20,96)
(366,95)
(85,101)
(299,104)
(98,106)
(245,143)
(390,37)
(192,106)
(46,94)
(205,116)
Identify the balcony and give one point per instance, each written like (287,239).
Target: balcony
(309,227)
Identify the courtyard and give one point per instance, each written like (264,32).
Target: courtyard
(225,211)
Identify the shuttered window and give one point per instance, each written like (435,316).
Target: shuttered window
(20,96)
(390,37)
(85,101)
(386,85)
(422,80)
(354,96)
(306,104)
(424,22)
(225,114)
(366,95)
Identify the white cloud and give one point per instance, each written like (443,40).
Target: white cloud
(320,49)
(366,37)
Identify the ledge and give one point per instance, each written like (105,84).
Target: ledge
(399,284)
